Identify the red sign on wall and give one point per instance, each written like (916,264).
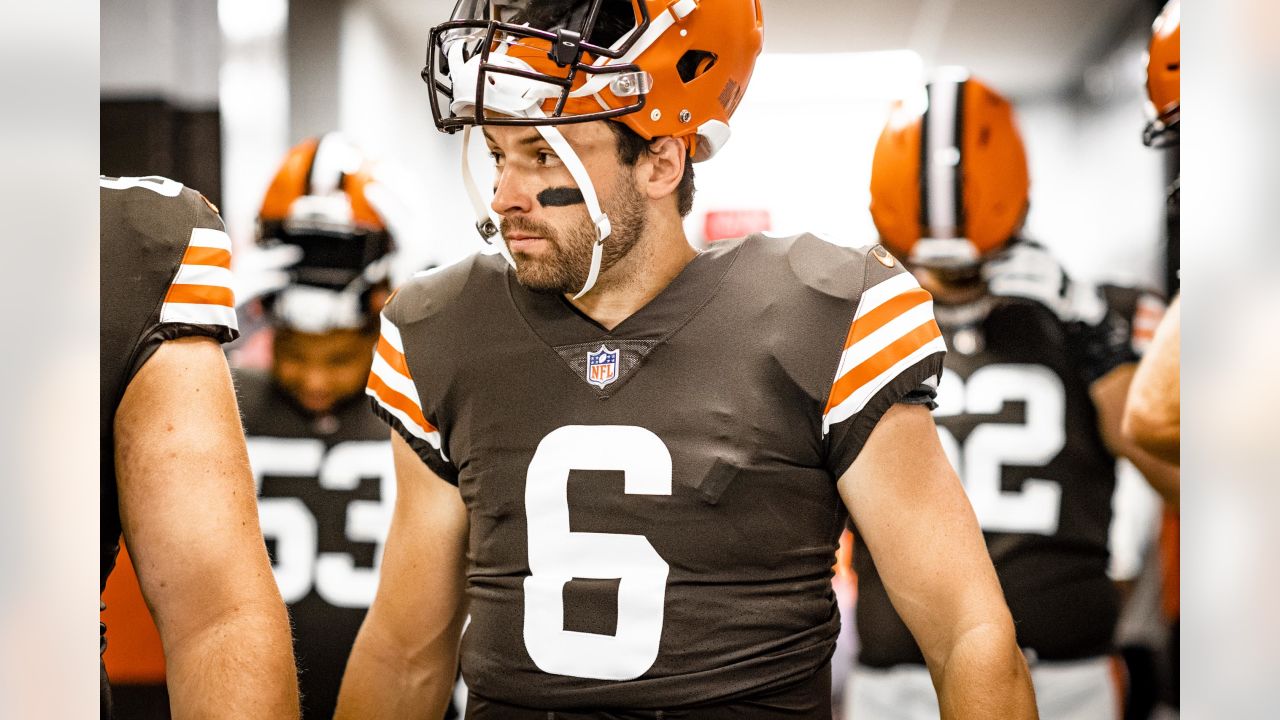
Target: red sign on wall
(728,224)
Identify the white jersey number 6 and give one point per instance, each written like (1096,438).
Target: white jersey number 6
(557,555)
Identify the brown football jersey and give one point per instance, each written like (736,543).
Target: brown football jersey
(1015,416)
(653,509)
(165,274)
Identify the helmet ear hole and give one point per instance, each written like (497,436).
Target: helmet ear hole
(694,63)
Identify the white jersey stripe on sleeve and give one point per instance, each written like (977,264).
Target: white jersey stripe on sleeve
(431,438)
(854,404)
(395,380)
(884,336)
(882,292)
(204,275)
(198,314)
(210,238)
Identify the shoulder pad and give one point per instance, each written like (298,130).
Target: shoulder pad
(428,293)
(834,270)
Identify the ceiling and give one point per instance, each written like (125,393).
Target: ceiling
(1023,47)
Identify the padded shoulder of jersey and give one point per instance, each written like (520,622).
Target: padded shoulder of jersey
(430,293)
(145,218)
(834,270)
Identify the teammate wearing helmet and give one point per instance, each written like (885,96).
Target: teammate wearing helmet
(321,459)
(1028,406)
(1153,412)
(1153,416)
(629,462)
(174,478)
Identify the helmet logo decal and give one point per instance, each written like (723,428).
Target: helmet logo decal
(729,95)
(560,197)
(602,367)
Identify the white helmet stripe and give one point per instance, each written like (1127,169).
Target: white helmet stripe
(334,158)
(941,158)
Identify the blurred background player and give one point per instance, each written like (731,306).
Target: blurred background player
(174,475)
(1028,406)
(1153,412)
(321,459)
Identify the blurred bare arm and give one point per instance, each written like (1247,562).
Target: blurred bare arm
(1109,393)
(190,518)
(405,659)
(1153,413)
(911,511)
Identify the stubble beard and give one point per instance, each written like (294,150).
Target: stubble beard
(563,268)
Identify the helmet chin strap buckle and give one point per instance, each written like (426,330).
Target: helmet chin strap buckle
(488,229)
(603,228)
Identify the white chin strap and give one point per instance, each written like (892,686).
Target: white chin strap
(519,97)
(488,224)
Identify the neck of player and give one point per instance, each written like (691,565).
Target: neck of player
(632,282)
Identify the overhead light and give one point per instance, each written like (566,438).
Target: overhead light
(247,20)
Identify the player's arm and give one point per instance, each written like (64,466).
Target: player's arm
(191,523)
(1153,413)
(405,659)
(911,511)
(1109,393)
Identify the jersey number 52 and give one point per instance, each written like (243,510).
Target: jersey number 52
(991,446)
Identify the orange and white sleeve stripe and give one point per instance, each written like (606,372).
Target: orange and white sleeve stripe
(892,330)
(201,292)
(391,385)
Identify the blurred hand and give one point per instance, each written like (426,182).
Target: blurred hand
(1028,271)
(261,271)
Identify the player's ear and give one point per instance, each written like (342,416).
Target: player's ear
(659,170)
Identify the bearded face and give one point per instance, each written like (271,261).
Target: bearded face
(556,258)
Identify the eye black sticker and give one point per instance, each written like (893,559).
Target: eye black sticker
(560,197)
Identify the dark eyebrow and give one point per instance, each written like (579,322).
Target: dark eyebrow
(533,139)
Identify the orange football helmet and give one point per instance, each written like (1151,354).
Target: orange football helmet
(323,199)
(1164,58)
(949,185)
(662,67)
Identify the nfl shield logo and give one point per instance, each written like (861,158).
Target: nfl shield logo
(602,367)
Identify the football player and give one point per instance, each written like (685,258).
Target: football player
(1153,416)
(174,473)
(629,461)
(321,460)
(1028,406)
(1153,413)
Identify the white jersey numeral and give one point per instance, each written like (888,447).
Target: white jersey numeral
(298,566)
(154,183)
(1036,507)
(557,555)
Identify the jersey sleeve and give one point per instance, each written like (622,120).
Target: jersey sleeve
(178,240)
(200,299)
(892,353)
(396,400)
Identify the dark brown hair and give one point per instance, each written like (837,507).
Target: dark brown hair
(630,145)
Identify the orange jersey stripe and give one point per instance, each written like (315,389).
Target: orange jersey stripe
(207,256)
(884,313)
(398,401)
(394,357)
(881,361)
(201,295)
